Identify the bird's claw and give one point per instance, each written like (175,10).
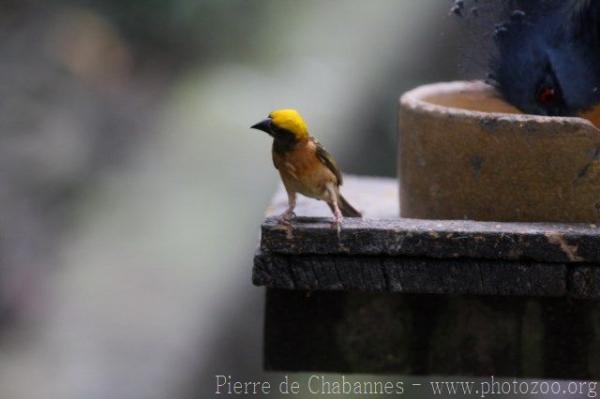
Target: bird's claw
(285,222)
(286,218)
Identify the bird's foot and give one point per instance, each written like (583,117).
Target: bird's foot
(286,218)
(286,221)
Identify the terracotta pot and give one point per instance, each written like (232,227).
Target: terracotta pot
(466,154)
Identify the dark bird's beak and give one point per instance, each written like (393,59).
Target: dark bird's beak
(264,125)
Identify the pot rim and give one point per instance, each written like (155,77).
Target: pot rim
(416,99)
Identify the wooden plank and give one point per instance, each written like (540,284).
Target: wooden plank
(385,253)
(417,275)
(382,232)
(436,239)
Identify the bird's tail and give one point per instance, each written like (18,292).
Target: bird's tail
(347,209)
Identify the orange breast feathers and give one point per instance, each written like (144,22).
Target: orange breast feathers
(303,172)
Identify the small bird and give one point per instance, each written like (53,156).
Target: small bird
(304,165)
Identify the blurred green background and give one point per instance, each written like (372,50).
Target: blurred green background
(132,188)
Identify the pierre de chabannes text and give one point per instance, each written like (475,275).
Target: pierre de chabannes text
(342,385)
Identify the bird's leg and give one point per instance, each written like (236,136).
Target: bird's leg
(289,214)
(337,214)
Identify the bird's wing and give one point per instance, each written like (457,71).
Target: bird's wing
(327,160)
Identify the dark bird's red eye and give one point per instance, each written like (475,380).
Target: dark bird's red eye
(547,95)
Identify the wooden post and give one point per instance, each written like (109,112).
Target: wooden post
(409,296)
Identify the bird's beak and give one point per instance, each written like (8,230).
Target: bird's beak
(264,125)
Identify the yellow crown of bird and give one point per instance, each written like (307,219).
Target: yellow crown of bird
(290,120)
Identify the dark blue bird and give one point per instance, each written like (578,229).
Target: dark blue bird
(547,58)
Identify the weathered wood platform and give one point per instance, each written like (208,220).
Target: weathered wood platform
(385,253)
(407,296)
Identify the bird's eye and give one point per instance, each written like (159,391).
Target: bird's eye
(547,95)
